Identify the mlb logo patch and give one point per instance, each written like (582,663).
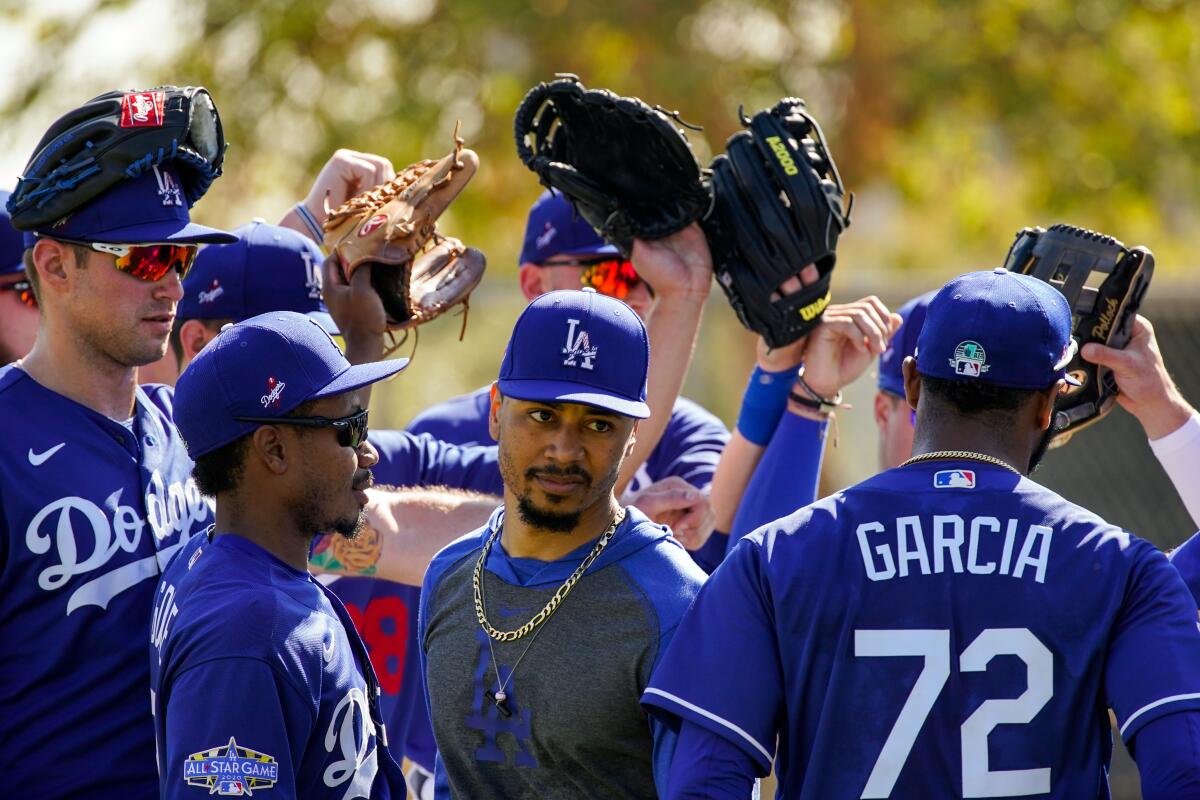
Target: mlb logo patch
(142,110)
(954,479)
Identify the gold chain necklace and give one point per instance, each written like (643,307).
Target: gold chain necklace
(500,697)
(552,605)
(967,454)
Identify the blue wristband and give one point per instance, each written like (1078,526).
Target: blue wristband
(764,403)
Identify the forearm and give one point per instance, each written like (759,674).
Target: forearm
(407,527)
(733,475)
(672,330)
(1179,452)
(786,477)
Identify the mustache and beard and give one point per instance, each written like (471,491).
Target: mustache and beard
(546,519)
(555,520)
(316,513)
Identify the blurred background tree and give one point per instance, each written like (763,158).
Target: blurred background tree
(956,123)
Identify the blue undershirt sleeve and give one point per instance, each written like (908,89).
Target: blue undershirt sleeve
(1167,751)
(708,767)
(709,556)
(786,477)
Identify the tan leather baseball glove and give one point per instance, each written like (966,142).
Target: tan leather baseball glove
(418,273)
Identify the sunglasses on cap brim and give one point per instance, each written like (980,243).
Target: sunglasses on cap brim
(147,262)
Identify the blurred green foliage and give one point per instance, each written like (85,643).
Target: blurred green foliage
(956,122)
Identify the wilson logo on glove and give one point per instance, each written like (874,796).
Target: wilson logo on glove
(815,308)
(142,110)
(783,157)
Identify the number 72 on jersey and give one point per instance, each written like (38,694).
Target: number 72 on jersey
(933,645)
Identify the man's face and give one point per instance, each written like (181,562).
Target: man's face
(18,321)
(330,494)
(566,272)
(894,418)
(558,459)
(113,313)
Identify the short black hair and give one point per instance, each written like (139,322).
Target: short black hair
(975,398)
(221,470)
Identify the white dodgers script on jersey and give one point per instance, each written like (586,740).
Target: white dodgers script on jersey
(169,510)
(352,733)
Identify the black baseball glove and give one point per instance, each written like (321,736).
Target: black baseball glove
(625,166)
(779,206)
(115,136)
(1104,282)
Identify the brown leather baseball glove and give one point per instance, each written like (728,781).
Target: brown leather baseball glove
(418,273)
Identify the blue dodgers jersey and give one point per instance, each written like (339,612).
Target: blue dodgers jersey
(384,612)
(690,446)
(1186,560)
(947,629)
(90,510)
(258,681)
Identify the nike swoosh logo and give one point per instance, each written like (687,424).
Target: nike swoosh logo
(328,651)
(37,459)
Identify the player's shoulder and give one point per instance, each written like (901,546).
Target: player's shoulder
(160,397)
(1186,561)
(466,411)
(658,564)
(690,414)
(454,554)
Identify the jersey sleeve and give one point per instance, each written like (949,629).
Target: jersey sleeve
(727,634)
(234,719)
(708,767)
(407,459)
(1186,560)
(690,446)
(1153,661)
(786,477)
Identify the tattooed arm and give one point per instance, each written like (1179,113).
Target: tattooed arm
(404,530)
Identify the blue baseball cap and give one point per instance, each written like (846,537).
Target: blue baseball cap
(903,344)
(1000,327)
(265,366)
(12,243)
(268,268)
(555,229)
(147,209)
(578,346)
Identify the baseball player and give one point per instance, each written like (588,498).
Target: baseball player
(258,678)
(376,576)
(18,305)
(561,251)
(539,631)
(948,627)
(96,492)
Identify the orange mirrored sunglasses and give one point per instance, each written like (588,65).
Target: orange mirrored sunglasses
(24,290)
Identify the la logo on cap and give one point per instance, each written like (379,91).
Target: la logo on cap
(547,235)
(168,188)
(579,350)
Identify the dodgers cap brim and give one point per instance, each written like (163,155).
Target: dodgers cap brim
(566,392)
(360,375)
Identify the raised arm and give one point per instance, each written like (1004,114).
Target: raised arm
(405,529)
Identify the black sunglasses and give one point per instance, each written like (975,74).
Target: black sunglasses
(351,430)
